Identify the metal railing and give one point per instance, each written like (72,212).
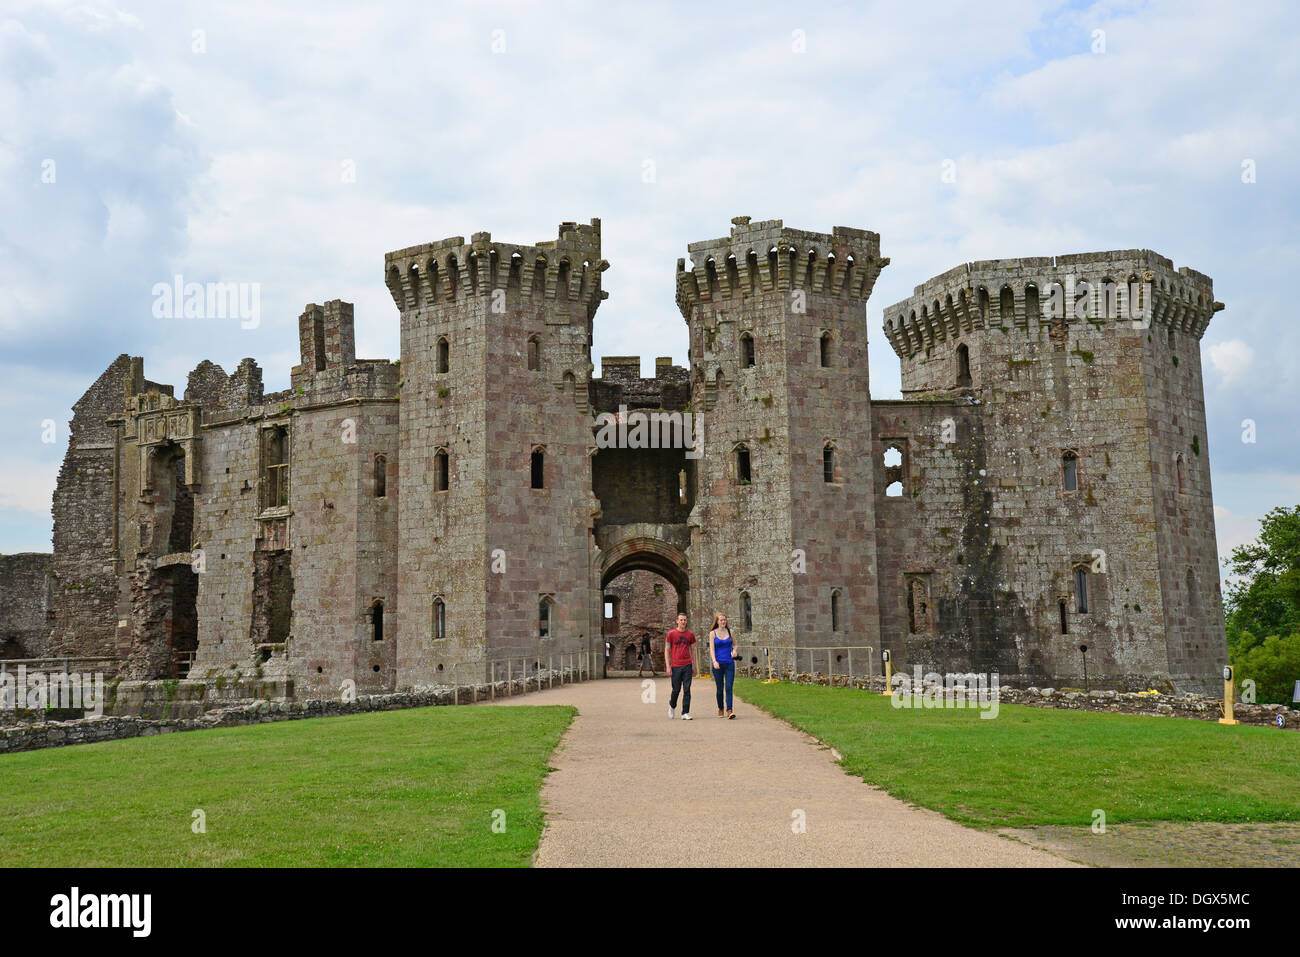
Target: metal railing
(484,680)
(182,662)
(858,661)
(59,665)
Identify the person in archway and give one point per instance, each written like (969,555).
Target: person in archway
(722,651)
(681,665)
(646,657)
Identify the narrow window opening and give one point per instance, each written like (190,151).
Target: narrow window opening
(747,351)
(835,611)
(377,621)
(538,471)
(439,618)
(381,476)
(743,472)
(963,367)
(444,355)
(1081,590)
(825,352)
(1065,627)
(318,338)
(275,478)
(441,472)
(534,355)
(828,464)
(544,619)
(1070,468)
(746,611)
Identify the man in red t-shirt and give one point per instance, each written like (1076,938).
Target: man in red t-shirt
(681,664)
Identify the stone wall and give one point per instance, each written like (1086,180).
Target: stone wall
(1187,705)
(25,582)
(88,497)
(32,736)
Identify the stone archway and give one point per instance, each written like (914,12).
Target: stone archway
(652,554)
(649,580)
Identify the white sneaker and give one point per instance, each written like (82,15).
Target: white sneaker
(672,713)
(687,717)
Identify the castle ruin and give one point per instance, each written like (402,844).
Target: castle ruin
(1042,487)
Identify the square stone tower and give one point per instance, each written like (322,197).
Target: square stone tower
(495,552)
(782,529)
(1058,514)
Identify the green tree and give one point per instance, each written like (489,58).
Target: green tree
(1274,665)
(1264,601)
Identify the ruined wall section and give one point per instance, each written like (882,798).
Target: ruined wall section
(88,498)
(941,604)
(783,290)
(25,587)
(488,413)
(1050,386)
(226,525)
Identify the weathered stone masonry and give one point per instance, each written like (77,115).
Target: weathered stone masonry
(381,523)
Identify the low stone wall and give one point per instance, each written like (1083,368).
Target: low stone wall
(1119,702)
(33,735)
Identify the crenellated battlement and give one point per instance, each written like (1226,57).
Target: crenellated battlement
(1130,285)
(565,269)
(767,256)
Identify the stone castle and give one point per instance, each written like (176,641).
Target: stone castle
(1037,504)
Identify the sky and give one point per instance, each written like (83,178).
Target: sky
(290,145)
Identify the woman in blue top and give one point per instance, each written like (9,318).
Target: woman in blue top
(721,649)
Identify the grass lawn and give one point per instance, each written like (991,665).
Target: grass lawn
(1033,766)
(394,788)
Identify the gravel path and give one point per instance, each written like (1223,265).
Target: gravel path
(633,789)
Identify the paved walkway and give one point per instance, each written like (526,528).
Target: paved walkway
(633,789)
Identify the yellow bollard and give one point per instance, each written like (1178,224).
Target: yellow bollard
(889,674)
(767,653)
(1227,697)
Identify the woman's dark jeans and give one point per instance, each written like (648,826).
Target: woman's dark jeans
(727,674)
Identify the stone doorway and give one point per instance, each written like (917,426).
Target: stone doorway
(644,584)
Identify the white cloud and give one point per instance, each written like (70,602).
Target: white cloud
(224,164)
(26,485)
(1231,359)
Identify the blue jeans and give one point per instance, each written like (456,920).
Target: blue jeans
(682,683)
(726,674)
